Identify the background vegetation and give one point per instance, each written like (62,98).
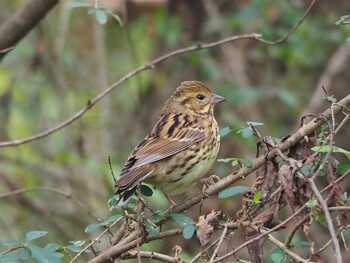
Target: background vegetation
(62,183)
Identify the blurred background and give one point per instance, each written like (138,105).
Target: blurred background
(69,58)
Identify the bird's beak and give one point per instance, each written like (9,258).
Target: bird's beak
(215,99)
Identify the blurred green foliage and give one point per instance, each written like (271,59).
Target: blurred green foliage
(57,68)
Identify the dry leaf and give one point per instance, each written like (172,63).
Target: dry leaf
(205,226)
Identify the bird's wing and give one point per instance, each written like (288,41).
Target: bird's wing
(151,150)
(160,148)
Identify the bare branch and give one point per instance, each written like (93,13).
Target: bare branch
(147,66)
(257,163)
(330,225)
(49,189)
(282,246)
(21,23)
(151,255)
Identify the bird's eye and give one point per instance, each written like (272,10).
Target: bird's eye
(200,97)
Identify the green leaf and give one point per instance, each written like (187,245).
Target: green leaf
(154,230)
(300,244)
(344,197)
(157,218)
(331,99)
(53,247)
(188,231)
(306,170)
(278,256)
(44,256)
(320,217)
(327,148)
(116,17)
(101,16)
(257,197)
(32,235)
(92,227)
(234,161)
(344,17)
(311,203)
(146,190)
(79,4)
(11,243)
(74,248)
(11,257)
(112,219)
(224,131)
(112,202)
(342,168)
(232,191)
(246,132)
(246,162)
(24,254)
(348,39)
(253,123)
(182,220)
(91,11)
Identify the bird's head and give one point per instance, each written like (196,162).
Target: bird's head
(193,96)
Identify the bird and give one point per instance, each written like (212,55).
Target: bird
(180,148)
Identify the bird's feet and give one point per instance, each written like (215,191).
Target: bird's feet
(208,181)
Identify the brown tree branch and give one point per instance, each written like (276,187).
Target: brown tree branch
(22,22)
(147,66)
(152,255)
(117,250)
(257,163)
(337,251)
(151,65)
(53,190)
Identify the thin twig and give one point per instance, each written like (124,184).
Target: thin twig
(258,162)
(116,251)
(150,65)
(95,240)
(284,38)
(256,238)
(282,246)
(223,235)
(295,228)
(53,190)
(126,244)
(340,126)
(330,225)
(151,255)
(205,250)
(330,241)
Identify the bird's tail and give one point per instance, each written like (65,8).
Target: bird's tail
(124,196)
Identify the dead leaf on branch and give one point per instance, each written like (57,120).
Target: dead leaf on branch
(205,226)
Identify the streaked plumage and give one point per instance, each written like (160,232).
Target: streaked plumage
(180,148)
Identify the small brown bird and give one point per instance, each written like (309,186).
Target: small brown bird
(180,148)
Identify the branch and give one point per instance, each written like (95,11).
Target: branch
(330,225)
(282,224)
(53,190)
(117,250)
(151,65)
(151,255)
(147,66)
(22,22)
(258,162)
(282,246)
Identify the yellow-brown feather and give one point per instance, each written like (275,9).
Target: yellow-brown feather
(180,148)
